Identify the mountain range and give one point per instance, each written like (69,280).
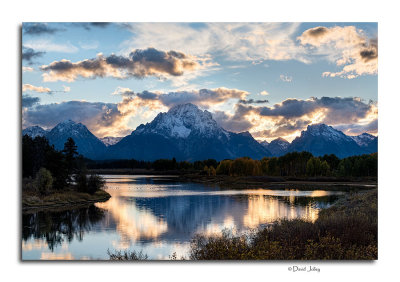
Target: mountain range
(188,133)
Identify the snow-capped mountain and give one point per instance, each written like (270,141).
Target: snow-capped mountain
(34,131)
(186,133)
(88,144)
(181,121)
(321,139)
(367,141)
(109,140)
(277,147)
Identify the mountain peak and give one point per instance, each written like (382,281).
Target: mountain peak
(34,131)
(280,140)
(181,121)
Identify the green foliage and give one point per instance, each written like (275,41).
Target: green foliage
(364,165)
(43,181)
(347,230)
(317,167)
(37,153)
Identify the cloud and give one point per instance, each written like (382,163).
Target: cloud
(203,97)
(27,69)
(28,54)
(90,25)
(253,42)
(49,46)
(39,89)
(102,119)
(252,101)
(264,93)
(285,78)
(288,118)
(29,101)
(139,64)
(38,29)
(236,122)
(348,47)
(356,129)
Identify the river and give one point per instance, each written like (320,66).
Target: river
(159,216)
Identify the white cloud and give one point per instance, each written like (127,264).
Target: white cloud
(48,46)
(285,78)
(39,89)
(348,47)
(27,69)
(264,93)
(237,41)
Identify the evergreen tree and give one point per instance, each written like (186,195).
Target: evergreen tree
(70,152)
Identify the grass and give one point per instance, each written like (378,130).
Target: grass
(69,196)
(345,231)
(305,183)
(126,255)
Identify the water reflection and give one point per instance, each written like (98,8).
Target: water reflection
(160,217)
(53,228)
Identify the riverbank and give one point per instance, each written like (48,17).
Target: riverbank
(61,199)
(305,183)
(346,231)
(252,182)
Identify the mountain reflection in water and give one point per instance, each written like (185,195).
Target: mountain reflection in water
(159,217)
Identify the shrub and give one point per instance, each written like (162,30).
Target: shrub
(81,181)
(127,255)
(95,183)
(347,230)
(43,181)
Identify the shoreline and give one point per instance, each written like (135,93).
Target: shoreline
(67,199)
(251,182)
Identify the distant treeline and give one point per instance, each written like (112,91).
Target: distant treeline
(296,164)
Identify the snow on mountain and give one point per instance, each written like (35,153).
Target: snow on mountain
(363,140)
(88,144)
(278,147)
(34,131)
(321,139)
(181,121)
(186,133)
(109,140)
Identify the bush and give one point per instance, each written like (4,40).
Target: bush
(89,185)
(81,181)
(95,183)
(347,230)
(43,181)
(127,255)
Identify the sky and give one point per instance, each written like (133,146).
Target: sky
(271,79)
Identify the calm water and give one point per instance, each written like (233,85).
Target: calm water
(159,217)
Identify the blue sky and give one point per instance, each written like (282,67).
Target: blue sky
(271,79)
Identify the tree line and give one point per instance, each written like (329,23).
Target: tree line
(53,170)
(295,164)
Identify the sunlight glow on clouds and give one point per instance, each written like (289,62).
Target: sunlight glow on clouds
(166,64)
(39,89)
(140,63)
(237,41)
(347,46)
